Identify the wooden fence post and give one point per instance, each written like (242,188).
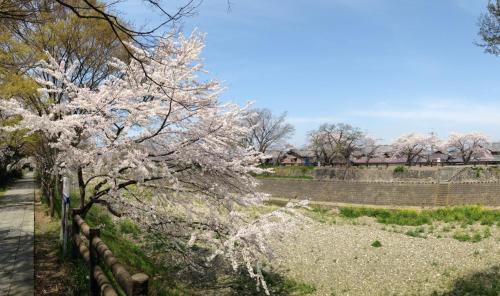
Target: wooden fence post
(94,287)
(140,284)
(75,230)
(132,285)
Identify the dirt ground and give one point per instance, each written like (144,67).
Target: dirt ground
(338,258)
(51,276)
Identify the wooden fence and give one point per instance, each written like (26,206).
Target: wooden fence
(94,250)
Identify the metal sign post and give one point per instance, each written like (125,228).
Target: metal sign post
(64,214)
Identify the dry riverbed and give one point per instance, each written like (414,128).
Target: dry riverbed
(340,256)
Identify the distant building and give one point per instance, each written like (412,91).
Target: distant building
(494,149)
(298,157)
(383,157)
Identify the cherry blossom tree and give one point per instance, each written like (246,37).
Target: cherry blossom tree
(472,146)
(331,142)
(153,142)
(414,146)
(13,148)
(370,148)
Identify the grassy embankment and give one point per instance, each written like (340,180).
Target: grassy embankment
(129,243)
(119,237)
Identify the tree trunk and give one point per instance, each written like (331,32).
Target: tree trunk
(55,189)
(81,186)
(50,193)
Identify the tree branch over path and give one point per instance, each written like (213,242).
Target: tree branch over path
(127,140)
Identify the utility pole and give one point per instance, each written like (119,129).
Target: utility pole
(64,214)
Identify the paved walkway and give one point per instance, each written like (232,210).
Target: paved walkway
(17,239)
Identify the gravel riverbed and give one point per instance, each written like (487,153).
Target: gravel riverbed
(339,259)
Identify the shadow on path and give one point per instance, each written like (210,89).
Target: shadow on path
(17,239)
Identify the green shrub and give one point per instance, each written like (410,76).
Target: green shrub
(322,215)
(476,238)
(463,237)
(417,232)
(477,172)
(400,169)
(376,244)
(486,232)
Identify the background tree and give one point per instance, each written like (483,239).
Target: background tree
(267,130)
(28,12)
(15,11)
(468,147)
(413,147)
(333,142)
(489,28)
(88,44)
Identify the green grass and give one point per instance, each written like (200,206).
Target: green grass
(79,275)
(417,232)
(277,284)
(486,232)
(465,237)
(321,214)
(463,214)
(130,254)
(116,235)
(128,226)
(303,288)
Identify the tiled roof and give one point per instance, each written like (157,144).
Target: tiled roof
(303,152)
(380,160)
(494,147)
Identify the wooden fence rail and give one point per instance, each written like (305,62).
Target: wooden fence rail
(96,251)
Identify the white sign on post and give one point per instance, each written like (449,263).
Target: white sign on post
(64,214)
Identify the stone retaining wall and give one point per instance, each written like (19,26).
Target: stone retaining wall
(386,193)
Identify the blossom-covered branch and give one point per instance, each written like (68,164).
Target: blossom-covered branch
(159,150)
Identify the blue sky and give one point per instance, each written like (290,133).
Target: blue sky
(386,66)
